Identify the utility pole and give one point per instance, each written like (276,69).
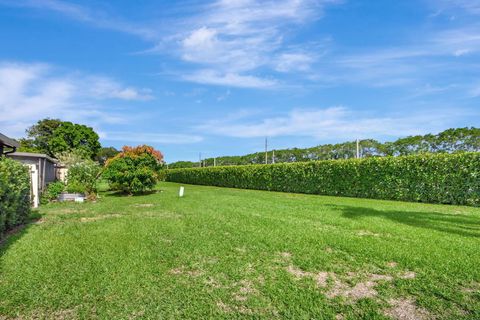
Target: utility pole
(266,150)
(358,149)
(214,162)
(200,159)
(273,157)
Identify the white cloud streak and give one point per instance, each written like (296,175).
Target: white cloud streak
(338,122)
(29,92)
(86,15)
(163,138)
(231,39)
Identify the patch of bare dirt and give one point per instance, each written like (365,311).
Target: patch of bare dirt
(233,309)
(66,314)
(392,264)
(285,255)
(405,309)
(328,250)
(245,288)
(364,289)
(143,205)
(366,233)
(472,288)
(103,217)
(213,283)
(359,291)
(184,271)
(408,275)
(241,250)
(298,273)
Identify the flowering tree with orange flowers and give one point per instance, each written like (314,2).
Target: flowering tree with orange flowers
(135,169)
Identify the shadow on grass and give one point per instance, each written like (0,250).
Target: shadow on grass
(125,194)
(459,224)
(15,234)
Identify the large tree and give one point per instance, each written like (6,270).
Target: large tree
(39,135)
(70,136)
(53,136)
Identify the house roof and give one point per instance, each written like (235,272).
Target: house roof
(32,155)
(6,141)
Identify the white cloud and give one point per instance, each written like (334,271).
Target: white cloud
(106,88)
(29,92)
(287,62)
(163,138)
(335,122)
(232,39)
(230,79)
(95,18)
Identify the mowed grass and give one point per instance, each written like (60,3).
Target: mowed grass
(228,253)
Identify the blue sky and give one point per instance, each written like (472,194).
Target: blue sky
(218,76)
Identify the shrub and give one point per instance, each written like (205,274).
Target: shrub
(134,170)
(82,177)
(14,194)
(52,191)
(434,178)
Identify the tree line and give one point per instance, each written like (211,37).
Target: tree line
(55,137)
(448,141)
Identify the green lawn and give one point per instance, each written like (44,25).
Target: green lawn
(228,253)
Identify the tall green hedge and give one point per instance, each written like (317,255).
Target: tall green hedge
(433,178)
(14,194)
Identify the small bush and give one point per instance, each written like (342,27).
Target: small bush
(14,194)
(134,170)
(434,178)
(52,192)
(82,177)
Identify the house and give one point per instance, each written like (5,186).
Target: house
(45,165)
(7,143)
(42,167)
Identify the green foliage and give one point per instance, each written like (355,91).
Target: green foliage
(434,178)
(82,177)
(76,187)
(183,164)
(52,191)
(448,141)
(134,170)
(69,136)
(28,145)
(53,136)
(39,135)
(104,154)
(69,158)
(14,194)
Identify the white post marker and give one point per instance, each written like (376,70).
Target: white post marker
(180,192)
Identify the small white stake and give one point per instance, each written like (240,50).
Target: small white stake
(180,192)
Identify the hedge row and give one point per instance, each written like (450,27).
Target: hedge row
(433,178)
(14,194)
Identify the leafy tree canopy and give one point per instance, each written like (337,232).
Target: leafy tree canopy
(134,170)
(53,136)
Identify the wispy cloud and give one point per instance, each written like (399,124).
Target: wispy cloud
(92,17)
(338,123)
(142,137)
(209,76)
(231,40)
(29,92)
